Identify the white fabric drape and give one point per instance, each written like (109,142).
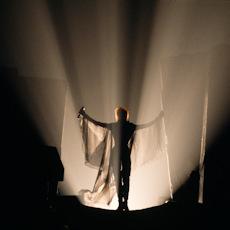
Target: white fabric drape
(146,145)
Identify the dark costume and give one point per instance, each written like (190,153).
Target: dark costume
(109,147)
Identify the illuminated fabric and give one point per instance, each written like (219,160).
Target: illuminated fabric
(146,143)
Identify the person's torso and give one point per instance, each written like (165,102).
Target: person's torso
(122,132)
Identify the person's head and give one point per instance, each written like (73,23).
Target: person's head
(121,113)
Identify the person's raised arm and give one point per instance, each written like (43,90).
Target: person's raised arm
(83,113)
(143,126)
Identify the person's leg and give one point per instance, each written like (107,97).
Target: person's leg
(120,190)
(126,174)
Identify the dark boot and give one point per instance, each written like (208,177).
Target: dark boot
(125,206)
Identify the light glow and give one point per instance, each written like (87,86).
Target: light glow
(113,53)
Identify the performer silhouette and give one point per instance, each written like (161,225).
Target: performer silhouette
(122,131)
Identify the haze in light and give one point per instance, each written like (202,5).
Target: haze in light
(113,53)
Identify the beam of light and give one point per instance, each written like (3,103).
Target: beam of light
(110,53)
(183,97)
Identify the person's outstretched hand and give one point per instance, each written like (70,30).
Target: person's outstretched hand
(81,111)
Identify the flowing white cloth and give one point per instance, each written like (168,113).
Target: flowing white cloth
(146,145)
